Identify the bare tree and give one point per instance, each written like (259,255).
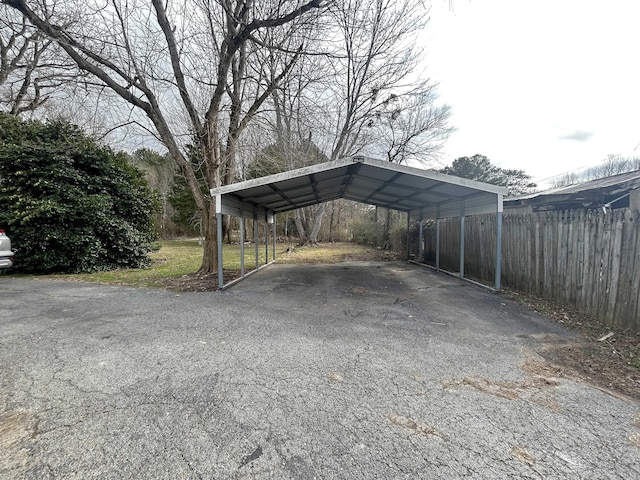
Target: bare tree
(412,128)
(612,165)
(31,70)
(375,60)
(186,66)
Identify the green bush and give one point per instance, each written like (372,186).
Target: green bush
(366,232)
(70,204)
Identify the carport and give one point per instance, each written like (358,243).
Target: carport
(421,194)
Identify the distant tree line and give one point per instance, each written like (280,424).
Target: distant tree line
(613,165)
(478,167)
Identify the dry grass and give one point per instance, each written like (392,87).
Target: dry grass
(175,263)
(612,364)
(331,253)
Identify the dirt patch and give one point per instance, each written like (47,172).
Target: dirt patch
(608,362)
(372,256)
(411,424)
(535,386)
(522,454)
(196,282)
(335,377)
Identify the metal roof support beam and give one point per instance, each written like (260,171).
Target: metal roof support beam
(282,194)
(382,187)
(308,203)
(314,187)
(420,191)
(351,171)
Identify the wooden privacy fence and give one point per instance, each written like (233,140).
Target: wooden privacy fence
(587,259)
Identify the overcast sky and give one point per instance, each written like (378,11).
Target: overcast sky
(547,86)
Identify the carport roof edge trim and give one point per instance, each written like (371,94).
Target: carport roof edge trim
(237,188)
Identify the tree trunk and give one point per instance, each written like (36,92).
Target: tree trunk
(313,237)
(386,231)
(302,234)
(331,217)
(209,228)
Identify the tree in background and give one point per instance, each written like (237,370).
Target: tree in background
(70,204)
(32,69)
(478,167)
(412,127)
(189,68)
(159,171)
(373,98)
(613,165)
(340,72)
(282,156)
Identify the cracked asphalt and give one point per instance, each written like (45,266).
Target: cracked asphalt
(353,370)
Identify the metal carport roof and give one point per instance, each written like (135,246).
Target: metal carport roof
(422,194)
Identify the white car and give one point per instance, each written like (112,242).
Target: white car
(6,255)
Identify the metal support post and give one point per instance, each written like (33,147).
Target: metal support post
(421,241)
(438,238)
(408,239)
(499,242)
(256,237)
(462,239)
(219,238)
(274,237)
(241,241)
(266,238)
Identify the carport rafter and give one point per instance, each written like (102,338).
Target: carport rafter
(365,180)
(378,204)
(348,180)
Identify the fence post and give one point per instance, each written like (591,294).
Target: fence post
(499,242)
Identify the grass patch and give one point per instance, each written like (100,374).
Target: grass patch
(180,258)
(326,253)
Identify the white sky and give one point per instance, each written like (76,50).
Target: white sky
(547,86)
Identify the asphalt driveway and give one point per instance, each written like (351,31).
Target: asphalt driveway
(353,370)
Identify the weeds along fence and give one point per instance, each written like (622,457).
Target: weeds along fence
(587,259)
